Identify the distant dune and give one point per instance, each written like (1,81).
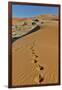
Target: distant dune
(15,20)
(23,25)
(47,17)
(43,17)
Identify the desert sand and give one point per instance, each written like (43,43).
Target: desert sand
(35,57)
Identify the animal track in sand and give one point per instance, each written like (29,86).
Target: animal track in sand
(37,66)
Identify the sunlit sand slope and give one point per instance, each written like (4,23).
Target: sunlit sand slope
(35,57)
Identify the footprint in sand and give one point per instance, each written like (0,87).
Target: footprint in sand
(39,79)
(38,67)
(35,61)
(41,67)
(33,52)
(36,56)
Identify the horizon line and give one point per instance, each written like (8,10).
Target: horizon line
(34,15)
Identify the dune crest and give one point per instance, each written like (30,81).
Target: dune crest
(35,56)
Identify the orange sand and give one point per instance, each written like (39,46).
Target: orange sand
(44,43)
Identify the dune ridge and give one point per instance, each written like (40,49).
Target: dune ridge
(35,56)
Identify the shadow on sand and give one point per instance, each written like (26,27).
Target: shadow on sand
(33,30)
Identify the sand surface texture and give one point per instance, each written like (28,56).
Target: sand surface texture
(35,56)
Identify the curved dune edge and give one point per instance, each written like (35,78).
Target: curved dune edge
(45,46)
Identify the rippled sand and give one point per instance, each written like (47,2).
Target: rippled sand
(35,57)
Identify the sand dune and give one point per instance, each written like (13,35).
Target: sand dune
(48,17)
(35,57)
(21,26)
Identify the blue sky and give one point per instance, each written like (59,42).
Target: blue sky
(26,11)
